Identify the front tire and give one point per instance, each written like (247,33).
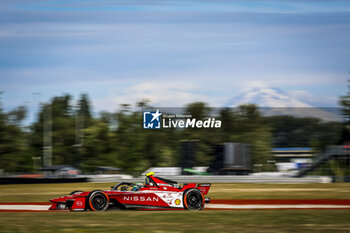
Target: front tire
(193,199)
(98,201)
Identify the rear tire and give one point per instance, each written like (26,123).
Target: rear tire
(98,201)
(193,199)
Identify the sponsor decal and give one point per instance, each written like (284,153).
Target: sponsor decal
(192,123)
(177,201)
(158,120)
(79,203)
(140,198)
(204,185)
(164,185)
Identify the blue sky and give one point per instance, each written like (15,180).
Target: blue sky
(172,52)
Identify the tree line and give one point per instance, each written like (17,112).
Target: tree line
(80,138)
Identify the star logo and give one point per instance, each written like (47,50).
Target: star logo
(151,120)
(156,115)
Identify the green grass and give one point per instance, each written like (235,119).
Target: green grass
(280,191)
(44,192)
(179,221)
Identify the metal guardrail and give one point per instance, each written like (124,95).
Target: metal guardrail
(222,179)
(180,179)
(17,180)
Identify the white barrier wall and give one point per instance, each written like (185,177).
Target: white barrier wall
(218,179)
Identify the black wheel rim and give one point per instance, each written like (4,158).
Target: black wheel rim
(194,200)
(99,201)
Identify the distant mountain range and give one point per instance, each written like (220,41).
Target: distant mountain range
(266,97)
(273,101)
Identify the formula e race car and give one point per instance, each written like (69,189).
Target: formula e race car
(155,193)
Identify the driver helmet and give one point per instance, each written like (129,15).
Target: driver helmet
(137,187)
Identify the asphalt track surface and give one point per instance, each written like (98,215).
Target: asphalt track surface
(213,205)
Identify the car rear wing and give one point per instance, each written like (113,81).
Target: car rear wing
(204,188)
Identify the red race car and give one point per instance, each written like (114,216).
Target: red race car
(156,193)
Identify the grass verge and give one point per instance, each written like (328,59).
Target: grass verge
(179,221)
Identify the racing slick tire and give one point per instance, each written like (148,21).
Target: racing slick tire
(193,199)
(75,192)
(97,201)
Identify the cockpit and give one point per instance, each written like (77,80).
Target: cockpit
(149,182)
(123,186)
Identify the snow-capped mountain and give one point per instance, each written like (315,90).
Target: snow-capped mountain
(273,101)
(266,97)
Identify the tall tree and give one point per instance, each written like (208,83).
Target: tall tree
(344,102)
(14,156)
(60,117)
(252,129)
(98,148)
(84,111)
(205,139)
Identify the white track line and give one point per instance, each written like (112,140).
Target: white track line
(24,207)
(207,206)
(227,206)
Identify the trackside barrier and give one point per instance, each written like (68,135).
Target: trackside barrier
(221,179)
(17,180)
